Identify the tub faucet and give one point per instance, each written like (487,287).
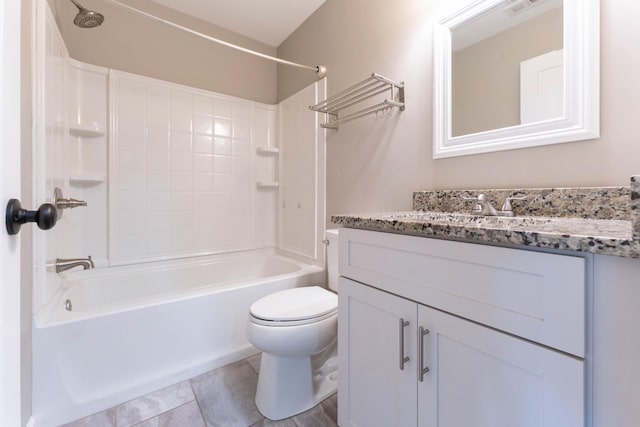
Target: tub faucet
(68,264)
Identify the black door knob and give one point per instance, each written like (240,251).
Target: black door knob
(46,216)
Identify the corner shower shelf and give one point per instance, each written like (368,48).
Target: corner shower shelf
(368,88)
(267,184)
(268,151)
(86,178)
(85,131)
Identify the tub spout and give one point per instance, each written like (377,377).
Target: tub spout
(67,264)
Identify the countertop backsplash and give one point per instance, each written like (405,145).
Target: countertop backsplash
(579,202)
(635,207)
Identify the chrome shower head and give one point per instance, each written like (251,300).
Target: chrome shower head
(87,18)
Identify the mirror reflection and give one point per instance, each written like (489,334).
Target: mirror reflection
(507,67)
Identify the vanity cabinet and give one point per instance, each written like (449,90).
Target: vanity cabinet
(497,333)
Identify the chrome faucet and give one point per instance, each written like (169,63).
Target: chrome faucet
(68,264)
(484,207)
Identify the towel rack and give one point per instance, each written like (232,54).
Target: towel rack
(366,89)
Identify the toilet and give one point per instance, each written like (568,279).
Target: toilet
(296,330)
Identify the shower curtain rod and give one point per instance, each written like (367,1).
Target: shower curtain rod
(320,70)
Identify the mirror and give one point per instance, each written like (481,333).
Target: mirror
(516,73)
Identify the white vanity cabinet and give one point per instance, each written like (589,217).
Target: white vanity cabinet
(373,390)
(495,319)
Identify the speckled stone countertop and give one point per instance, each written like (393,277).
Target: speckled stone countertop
(602,220)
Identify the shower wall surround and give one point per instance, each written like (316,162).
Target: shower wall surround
(302,173)
(168,171)
(182,171)
(86,163)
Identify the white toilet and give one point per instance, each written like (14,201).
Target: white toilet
(290,327)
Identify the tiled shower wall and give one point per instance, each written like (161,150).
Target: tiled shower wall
(174,175)
(168,171)
(182,174)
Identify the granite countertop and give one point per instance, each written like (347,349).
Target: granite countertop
(602,220)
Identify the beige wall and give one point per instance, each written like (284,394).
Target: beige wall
(375,167)
(486,75)
(133,43)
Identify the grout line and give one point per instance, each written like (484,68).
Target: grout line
(160,413)
(169,410)
(195,396)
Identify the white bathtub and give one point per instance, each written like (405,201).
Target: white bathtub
(135,329)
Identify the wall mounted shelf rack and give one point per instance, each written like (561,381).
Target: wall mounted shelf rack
(358,93)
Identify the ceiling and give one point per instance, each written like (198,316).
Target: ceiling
(270,22)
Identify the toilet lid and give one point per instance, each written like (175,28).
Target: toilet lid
(295,304)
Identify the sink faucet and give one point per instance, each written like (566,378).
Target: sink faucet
(67,264)
(484,207)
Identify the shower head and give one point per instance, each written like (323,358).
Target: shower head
(87,18)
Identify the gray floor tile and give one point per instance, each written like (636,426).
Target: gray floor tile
(225,398)
(103,419)
(320,416)
(254,361)
(151,422)
(330,407)
(153,404)
(282,423)
(226,395)
(187,415)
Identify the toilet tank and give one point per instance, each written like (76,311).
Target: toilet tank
(332,258)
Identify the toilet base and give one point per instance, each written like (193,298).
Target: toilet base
(287,386)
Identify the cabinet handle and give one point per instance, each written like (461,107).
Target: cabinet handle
(403,359)
(421,368)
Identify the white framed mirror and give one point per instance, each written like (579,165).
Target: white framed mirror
(516,73)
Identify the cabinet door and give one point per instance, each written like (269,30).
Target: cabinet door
(372,389)
(484,378)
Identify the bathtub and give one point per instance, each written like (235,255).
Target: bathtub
(134,329)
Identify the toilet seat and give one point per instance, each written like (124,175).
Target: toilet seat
(291,307)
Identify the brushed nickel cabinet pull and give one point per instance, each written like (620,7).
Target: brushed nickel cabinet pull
(403,359)
(421,368)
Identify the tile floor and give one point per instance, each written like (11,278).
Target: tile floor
(223,397)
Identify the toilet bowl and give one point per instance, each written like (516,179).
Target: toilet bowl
(296,330)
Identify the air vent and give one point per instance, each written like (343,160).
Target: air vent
(516,7)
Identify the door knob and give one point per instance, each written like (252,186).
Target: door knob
(45,217)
